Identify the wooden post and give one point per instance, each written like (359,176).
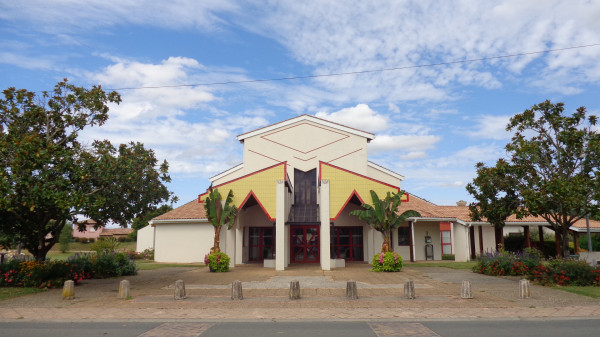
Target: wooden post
(575,243)
(294,290)
(179,290)
(541,233)
(236,290)
(481,240)
(409,289)
(472,239)
(465,290)
(68,292)
(527,237)
(524,289)
(351,291)
(124,287)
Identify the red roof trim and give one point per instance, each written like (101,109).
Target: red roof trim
(356,174)
(354,193)
(251,194)
(342,156)
(284,163)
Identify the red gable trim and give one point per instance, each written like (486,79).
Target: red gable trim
(251,193)
(354,193)
(321,163)
(284,163)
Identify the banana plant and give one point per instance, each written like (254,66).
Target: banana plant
(220,213)
(383,215)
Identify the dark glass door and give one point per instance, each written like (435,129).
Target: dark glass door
(261,244)
(304,244)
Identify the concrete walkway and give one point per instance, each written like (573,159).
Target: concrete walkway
(323,297)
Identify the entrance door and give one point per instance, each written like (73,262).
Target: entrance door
(304,244)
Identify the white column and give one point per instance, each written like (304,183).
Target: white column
(280,226)
(325,238)
(239,242)
(230,245)
(461,241)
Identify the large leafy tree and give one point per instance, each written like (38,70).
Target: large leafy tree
(382,215)
(220,213)
(553,162)
(48,177)
(495,191)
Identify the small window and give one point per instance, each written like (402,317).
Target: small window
(403,236)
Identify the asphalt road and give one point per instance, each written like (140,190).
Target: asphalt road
(478,328)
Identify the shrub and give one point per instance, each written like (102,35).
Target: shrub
(500,263)
(514,243)
(389,262)
(111,264)
(105,244)
(64,240)
(448,257)
(217,262)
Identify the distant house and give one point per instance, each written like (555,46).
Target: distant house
(116,232)
(91,233)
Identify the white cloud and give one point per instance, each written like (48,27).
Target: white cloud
(361,117)
(414,155)
(410,143)
(490,127)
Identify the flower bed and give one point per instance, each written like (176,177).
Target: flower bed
(53,274)
(529,263)
(217,262)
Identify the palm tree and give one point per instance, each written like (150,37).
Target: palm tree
(383,215)
(219,213)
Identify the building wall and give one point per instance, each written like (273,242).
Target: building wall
(183,242)
(420,230)
(145,239)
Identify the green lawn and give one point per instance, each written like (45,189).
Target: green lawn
(151,265)
(443,264)
(6,293)
(585,291)
(78,247)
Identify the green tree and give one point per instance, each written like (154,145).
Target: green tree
(383,215)
(47,176)
(143,220)
(495,191)
(553,165)
(220,213)
(65,237)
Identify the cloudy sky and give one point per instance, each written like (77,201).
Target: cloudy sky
(185,70)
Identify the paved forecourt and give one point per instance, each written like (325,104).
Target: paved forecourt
(323,296)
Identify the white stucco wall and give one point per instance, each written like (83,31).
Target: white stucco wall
(145,239)
(183,242)
(421,229)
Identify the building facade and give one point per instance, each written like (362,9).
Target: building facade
(298,182)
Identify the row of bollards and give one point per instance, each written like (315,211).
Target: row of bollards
(466,292)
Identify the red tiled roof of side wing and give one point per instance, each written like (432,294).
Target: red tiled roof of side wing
(191,210)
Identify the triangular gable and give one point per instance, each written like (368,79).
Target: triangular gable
(344,184)
(261,184)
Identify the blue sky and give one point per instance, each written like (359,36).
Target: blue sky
(432,124)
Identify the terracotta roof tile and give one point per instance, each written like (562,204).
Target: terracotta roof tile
(191,210)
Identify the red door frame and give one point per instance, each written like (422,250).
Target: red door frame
(314,243)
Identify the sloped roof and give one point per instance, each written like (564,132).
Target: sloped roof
(116,231)
(428,209)
(191,210)
(311,118)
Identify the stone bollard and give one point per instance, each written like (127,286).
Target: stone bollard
(351,291)
(124,289)
(409,289)
(179,290)
(236,290)
(294,290)
(524,290)
(68,292)
(465,290)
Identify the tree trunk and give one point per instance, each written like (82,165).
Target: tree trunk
(216,244)
(565,243)
(386,246)
(558,241)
